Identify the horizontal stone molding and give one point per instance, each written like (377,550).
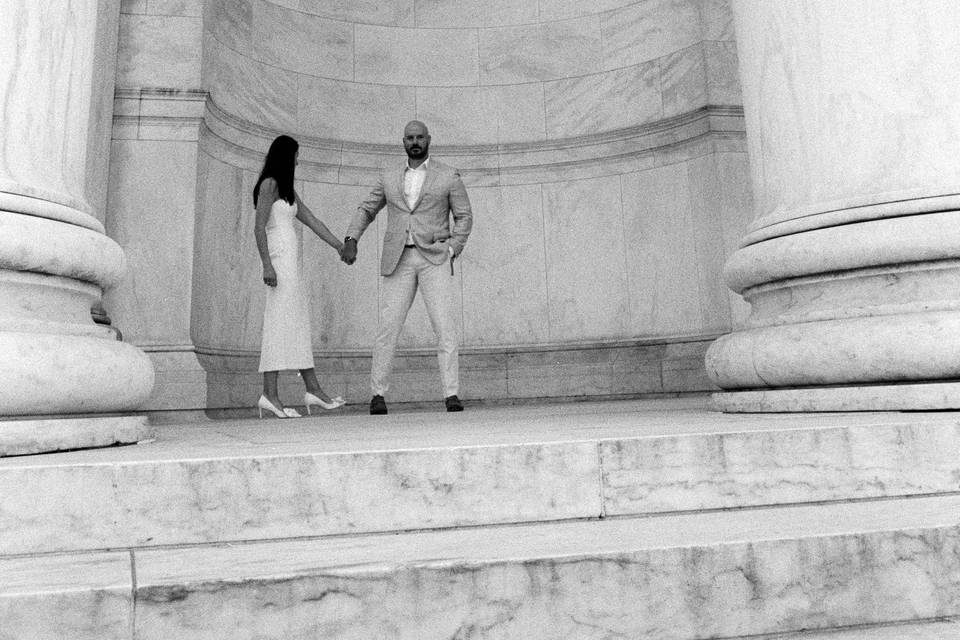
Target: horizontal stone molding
(20,437)
(29,243)
(480,350)
(931,395)
(924,345)
(157,114)
(470,14)
(38,303)
(577,371)
(821,215)
(45,204)
(715,128)
(876,291)
(887,241)
(46,374)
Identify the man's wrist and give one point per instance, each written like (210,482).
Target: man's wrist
(349,239)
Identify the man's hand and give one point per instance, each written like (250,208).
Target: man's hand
(349,252)
(269,275)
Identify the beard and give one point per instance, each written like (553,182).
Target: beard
(418,153)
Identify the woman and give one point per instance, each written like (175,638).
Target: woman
(286,316)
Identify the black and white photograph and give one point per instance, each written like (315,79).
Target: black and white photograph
(479,320)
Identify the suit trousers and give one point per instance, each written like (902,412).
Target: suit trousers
(397,294)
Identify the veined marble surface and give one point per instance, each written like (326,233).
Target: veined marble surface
(835,130)
(683,473)
(397,13)
(630,97)
(577,62)
(156,230)
(647,30)
(88,597)
(843,100)
(351,473)
(672,578)
(585,295)
(475,13)
(922,396)
(233,495)
(47,98)
(159,51)
(927,630)
(303,44)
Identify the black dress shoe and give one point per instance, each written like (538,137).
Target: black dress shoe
(453,403)
(378,406)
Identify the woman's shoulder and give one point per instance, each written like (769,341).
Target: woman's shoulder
(268,184)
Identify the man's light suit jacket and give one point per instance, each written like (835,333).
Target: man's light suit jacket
(442,194)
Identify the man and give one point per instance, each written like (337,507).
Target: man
(419,250)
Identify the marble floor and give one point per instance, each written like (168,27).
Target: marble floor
(195,436)
(681,522)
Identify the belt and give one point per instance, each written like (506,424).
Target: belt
(409,246)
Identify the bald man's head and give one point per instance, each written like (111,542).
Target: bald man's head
(416,141)
(415,125)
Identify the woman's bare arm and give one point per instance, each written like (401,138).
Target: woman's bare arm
(306,216)
(267,196)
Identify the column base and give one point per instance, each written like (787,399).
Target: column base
(47,435)
(918,396)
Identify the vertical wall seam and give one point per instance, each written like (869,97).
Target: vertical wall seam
(706,72)
(663,106)
(479,70)
(600,482)
(710,186)
(626,261)
(139,111)
(543,103)
(133,596)
(546,264)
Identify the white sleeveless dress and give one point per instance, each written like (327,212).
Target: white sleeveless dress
(286,313)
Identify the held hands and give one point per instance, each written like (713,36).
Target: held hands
(349,251)
(269,275)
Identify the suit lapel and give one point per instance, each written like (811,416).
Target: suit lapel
(427,180)
(400,174)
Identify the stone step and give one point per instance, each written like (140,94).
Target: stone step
(927,630)
(240,480)
(75,597)
(726,574)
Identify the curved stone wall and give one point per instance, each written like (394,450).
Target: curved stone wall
(602,147)
(502,74)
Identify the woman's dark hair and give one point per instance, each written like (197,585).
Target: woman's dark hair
(279,165)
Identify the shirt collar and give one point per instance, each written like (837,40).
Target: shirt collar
(423,166)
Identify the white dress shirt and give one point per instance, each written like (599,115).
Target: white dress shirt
(412,186)
(413,182)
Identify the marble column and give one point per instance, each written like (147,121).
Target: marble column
(61,371)
(852,265)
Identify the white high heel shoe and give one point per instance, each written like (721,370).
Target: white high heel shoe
(310,399)
(286,412)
